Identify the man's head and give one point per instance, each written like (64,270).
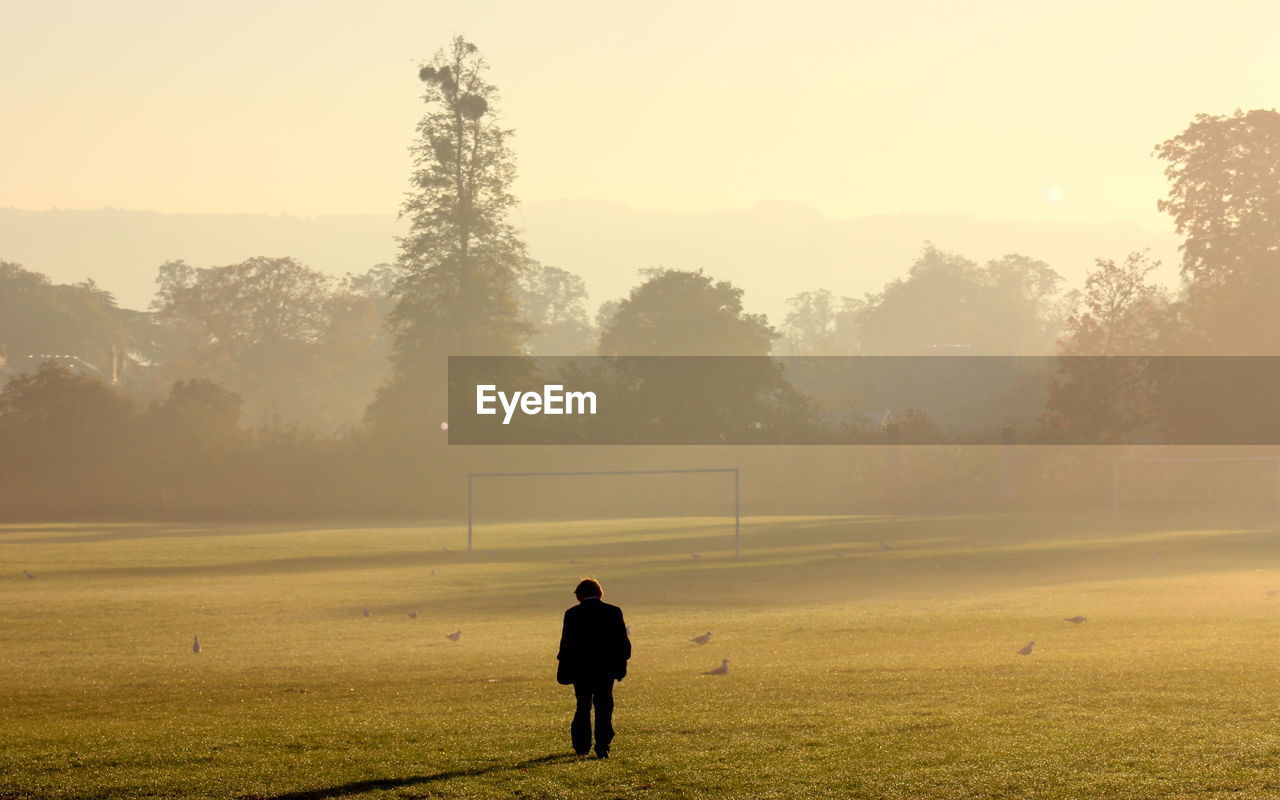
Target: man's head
(587,588)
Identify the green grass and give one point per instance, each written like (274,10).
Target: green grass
(858,671)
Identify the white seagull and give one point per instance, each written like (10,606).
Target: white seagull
(453,637)
(703,639)
(366,611)
(413,614)
(1026,651)
(195,646)
(1077,619)
(723,669)
(27,572)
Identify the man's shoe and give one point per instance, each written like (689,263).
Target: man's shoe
(581,752)
(602,754)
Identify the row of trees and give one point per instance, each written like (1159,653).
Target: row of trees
(302,347)
(1224,199)
(370,350)
(297,344)
(306,349)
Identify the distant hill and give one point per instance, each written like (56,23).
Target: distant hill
(772,251)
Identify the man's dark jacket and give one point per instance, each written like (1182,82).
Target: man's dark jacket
(594,644)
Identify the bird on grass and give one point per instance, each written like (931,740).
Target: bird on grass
(433,570)
(1270,592)
(628,630)
(453,637)
(1026,651)
(1077,619)
(195,646)
(694,555)
(27,572)
(366,611)
(723,669)
(703,639)
(413,614)
(885,546)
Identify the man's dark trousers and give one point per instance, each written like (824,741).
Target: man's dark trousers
(597,693)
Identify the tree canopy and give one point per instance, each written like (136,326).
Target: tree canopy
(947,302)
(681,312)
(1224,197)
(455,293)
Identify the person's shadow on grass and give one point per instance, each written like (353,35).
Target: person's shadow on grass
(384,784)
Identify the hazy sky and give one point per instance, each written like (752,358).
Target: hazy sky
(1004,109)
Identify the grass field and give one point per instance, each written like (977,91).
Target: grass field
(857,670)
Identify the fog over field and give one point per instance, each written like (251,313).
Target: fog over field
(833,400)
(871,657)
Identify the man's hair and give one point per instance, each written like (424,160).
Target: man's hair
(589,587)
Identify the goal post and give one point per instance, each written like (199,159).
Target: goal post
(737,492)
(1116,465)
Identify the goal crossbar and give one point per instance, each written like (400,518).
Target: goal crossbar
(1115,472)
(737,491)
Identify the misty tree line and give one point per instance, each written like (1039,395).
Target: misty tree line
(267,387)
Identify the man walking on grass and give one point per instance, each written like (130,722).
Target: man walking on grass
(594,649)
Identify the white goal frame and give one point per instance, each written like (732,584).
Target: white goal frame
(737,492)
(1115,473)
